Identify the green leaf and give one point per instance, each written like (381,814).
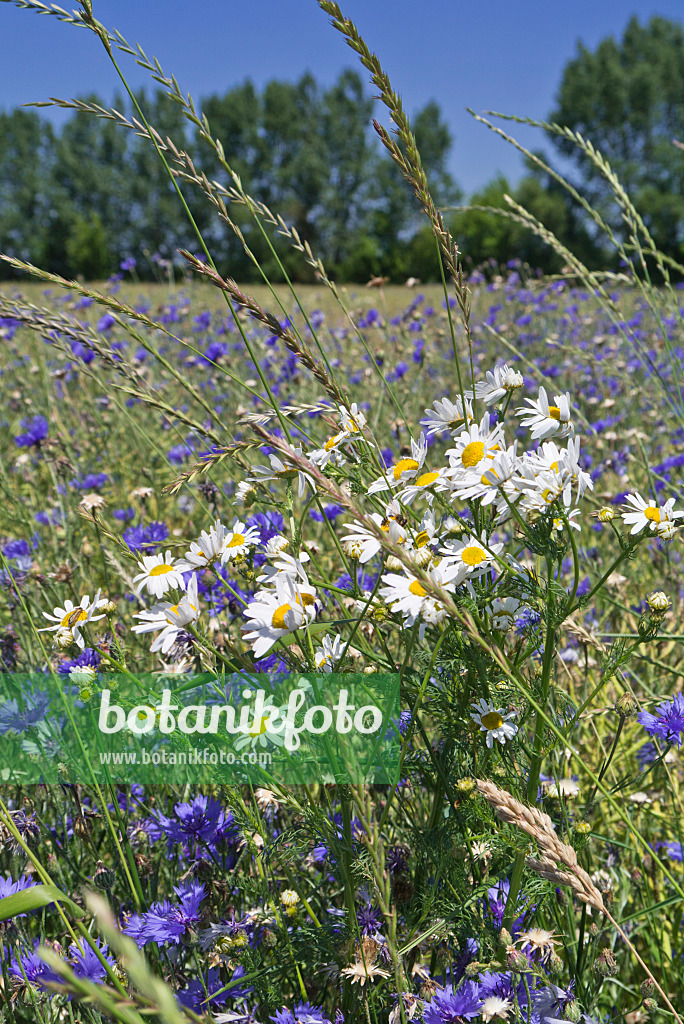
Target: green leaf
(33,898)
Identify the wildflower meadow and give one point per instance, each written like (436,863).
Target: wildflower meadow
(456,507)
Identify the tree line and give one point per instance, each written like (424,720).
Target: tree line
(82,198)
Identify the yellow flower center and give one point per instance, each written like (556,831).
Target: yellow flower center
(554,412)
(278,620)
(422,538)
(305,599)
(260,728)
(492,720)
(472,454)
(426,479)
(236,540)
(652,513)
(404,466)
(331,442)
(74,616)
(417,588)
(549,495)
(473,555)
(488,477)
(161,570)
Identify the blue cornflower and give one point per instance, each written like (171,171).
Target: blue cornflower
(200,820)
(668,723)
(167,922)
(195,997)
(156,533)
(36,430)
(16,549)
(12,719)
(646,754)
(450,1006)
(88,658)
(303,1013)
(10,888)
(128,264)
(86,964)
(674,850)
(26,964)
(106,322)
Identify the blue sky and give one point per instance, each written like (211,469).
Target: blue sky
(484,54)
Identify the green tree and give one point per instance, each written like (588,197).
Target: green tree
(26,156)
(627,97)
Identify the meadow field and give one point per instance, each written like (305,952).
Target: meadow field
(123,438)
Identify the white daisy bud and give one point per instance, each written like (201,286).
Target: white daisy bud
(605,514)
(658,601)
(64,639)
(353,548)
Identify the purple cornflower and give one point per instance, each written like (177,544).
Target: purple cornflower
(36,430)
(448,1006)
(674,850)
(128,264)
(303,1013)
(28,828)
(195,997)
(668,723)
(369,919)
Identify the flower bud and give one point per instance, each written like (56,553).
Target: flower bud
(516,960)
(109,608)
(651,1007)
(605,964)
(647,987)
(658,602)
(555,965)
(604,514)
(573,1011)
(626,705)
(64,639)
(583,828)
(465,785)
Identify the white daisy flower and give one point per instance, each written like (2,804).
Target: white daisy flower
(503,612)
(473,450)
(159,574)
(205,550)
(470,556)
(544,419)
(238,540)
(244,495)
(639,515)
(329,653)
(367,544)
(287,565)
(82,675)
(424,485)
(259,735)
(447,415)
(407,595)
(492,478)
(499,382)
(169,619)
(279,469)
(275,613)
(74,617)
(403,470)
(493,721)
